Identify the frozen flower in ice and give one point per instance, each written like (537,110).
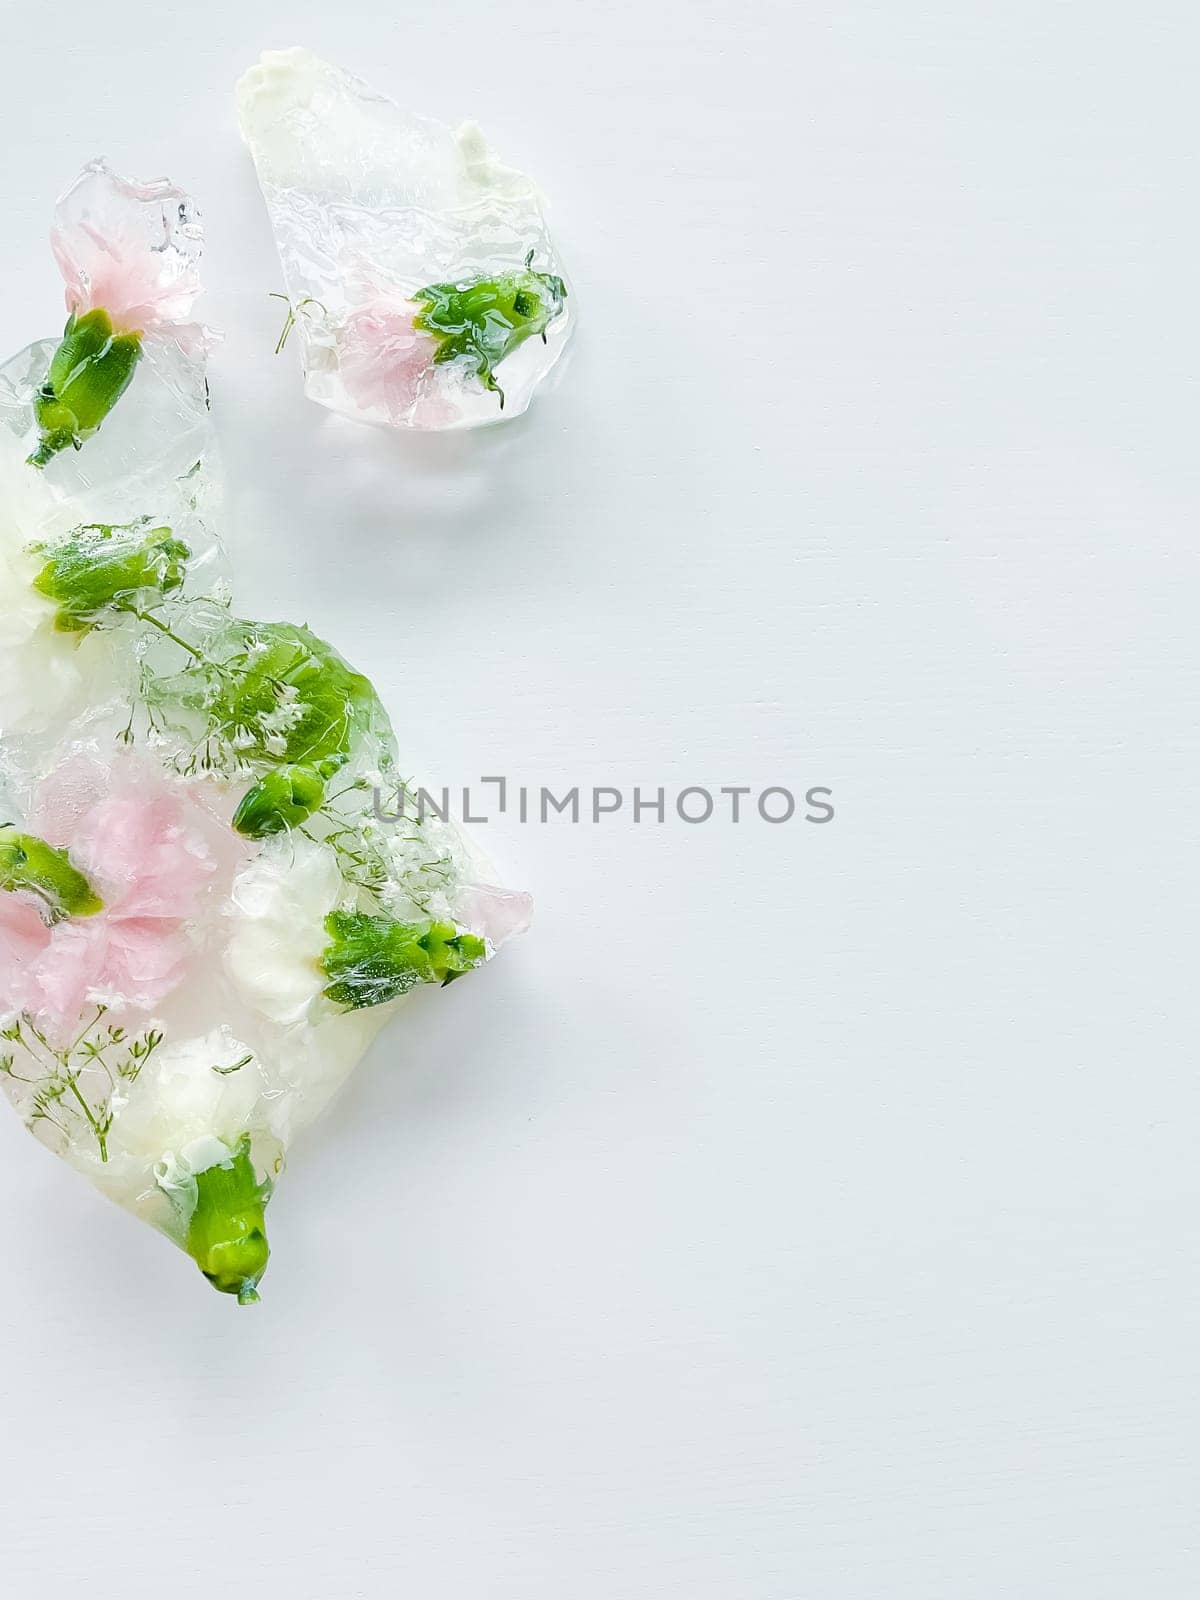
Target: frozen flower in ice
(101,568)
(291,941)
(204,917)
(88,373)
(139,845)
(130,249)
(282,699)
(33,867)
(226,1229)
(279,903)
(413,243)
(56,592)
(40,671)
(370,960)
(387,364)
(129,255)
(478,321)
(110,960)
(395,353)
(186,1119)
(191,1090)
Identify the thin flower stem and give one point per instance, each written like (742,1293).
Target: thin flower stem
(45,1044)
(71,1048)
(101,1138)
(62,1062)
(148,616)
(301,305)
(40,1114)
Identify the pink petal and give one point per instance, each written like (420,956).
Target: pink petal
(386,364)
(70,967)
(498,914)
(133,248)
(144,960)
(23,938)
(150,849)
(67,795)
(144,843)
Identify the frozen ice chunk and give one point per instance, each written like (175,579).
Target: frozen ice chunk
(106,447)
(134,454)
(132,248)
(205,913)
(425,288)
(129,255)
(156,432)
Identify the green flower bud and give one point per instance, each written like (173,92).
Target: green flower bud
(280,799)
(89,372)
(370,960)
(29,863)
(483,320)
(100,565)
(227,1234)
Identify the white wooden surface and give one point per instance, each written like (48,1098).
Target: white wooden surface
(799,1213)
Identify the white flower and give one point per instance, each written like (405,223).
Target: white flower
(279,903)
(47,676)
(38,666)
(192,1097)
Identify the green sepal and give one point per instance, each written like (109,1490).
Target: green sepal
(89,372)
(29,863)
(371,959)
(483,320)
(281,799)
(227,1234)
(102,564)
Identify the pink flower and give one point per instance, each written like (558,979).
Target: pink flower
(139,850)
(131,248)
(145,846)
(387,365)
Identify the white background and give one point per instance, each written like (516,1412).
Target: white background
(798,1213)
